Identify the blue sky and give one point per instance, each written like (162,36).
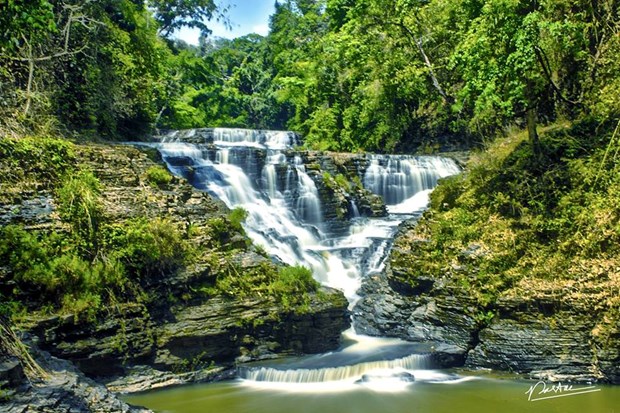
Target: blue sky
(246,16)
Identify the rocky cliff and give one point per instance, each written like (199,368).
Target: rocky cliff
(63,389)
(184,329)
(542,333)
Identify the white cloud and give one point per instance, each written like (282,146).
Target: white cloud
(188,35)
(262,29)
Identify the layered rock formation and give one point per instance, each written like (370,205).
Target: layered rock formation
(64,389)
(543,335)
(180,334)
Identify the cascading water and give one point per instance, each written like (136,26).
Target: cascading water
(404,182)
(257,171)
(413,361)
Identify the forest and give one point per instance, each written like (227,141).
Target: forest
(535,83)
(348,75)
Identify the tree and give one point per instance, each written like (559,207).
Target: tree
(175,14)
(521,59)
(37,33)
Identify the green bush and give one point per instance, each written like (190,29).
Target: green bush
(50,266)
(289,286)
(294,280)
(158,176)
(146,247)
(336,183)
(42,159)
(237,217)
(223,229)
(80,205)
(447,192)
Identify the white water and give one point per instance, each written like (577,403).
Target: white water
(398,178)
(411,362)
(285,217)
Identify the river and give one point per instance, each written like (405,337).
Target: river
(479,393)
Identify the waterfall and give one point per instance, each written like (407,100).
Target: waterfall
(399,178)
(258,171)
(269,374)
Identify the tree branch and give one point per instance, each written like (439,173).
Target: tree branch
(544,63)
(417,42)
(44,58)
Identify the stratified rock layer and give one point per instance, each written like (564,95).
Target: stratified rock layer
(544,335)
(180,334)
(63,390)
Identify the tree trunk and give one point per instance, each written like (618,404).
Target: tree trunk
(30,80)
(532,133)
(431,72)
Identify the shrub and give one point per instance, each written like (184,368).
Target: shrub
(237,217)
(447,192)
(146,247)
(49,265)
(292,287)
(39,158)
(221,230)
(289,286)
(158,176)
(80,205)
(294,280)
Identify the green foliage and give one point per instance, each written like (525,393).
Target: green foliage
(292,285)
(158,176)
(95,67)
(80,205)
(41,159)
(94,263)
(8,307)
(56,270)
(379,75)
(174,15)
(447,192)
(526,225)
(226,232)
(146,248)
(20,20)
(289,286)
(237,216)
(48,267)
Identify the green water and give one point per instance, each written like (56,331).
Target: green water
(481,395)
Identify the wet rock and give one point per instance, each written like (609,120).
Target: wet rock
(544,336)
(63,390)
(143,378)
(222,330)
(403,376)
(11,372)
(35,208)
(339,201)
(441,320)
(212,332)
(545,340)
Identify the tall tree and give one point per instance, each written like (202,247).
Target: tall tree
(175,14)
